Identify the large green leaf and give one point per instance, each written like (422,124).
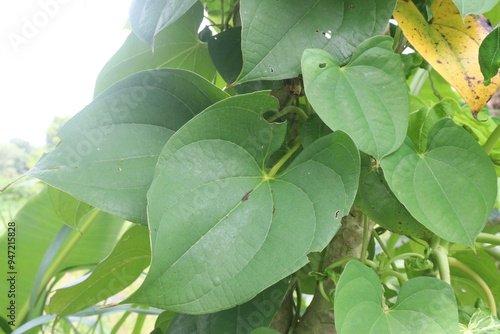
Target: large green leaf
(275,33)
(36,226)
(377,201)
(467,7)
(367,98)
(116,272)
(177,46)
(216,214)
(149,17)
(241,319)
(450,188)
(489,55)
(108,151)
(67,208)
(424,305)
(225,51)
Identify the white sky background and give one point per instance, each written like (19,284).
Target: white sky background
(54,72)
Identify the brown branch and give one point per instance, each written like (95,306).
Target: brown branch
(318,318)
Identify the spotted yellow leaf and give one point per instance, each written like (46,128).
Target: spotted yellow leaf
(451,45)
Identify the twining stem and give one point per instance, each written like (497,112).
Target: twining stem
(492,140)
(488,238)
(340,262)
(404,255)
(389,255)
(290,109)
(366,240)
(418,81)
(440,254)
(283,159)
(401,278)
(459,265)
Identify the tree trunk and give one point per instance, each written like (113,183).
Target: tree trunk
(318,318)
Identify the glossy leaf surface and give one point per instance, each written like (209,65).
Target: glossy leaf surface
(424,305)
(215,214)
(149,17)
(108,151)
(241,319)
(367,98)
(275,33)
(176,46)
(489,55)
(450,188)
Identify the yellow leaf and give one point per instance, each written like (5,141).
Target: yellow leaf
(451,45)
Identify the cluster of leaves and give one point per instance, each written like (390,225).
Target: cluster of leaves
(235,192)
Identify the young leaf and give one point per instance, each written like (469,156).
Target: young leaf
(67,208)
(294,25)
(450,188)
(424,305)
(489,56)
(216,214)
(149,17)
(176,46)
(422,119)
(467,7)
(451,47)
(241,319)
(367,98)
(121,268)
(109,149)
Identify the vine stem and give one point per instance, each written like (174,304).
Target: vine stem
(389,256)
(291,109)
(418,81)
(401,278)
(488,238)
(492,140)
(366,240)
(283,159)
(459,265)
(440,253)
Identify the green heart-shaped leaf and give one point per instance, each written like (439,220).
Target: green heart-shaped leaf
(149,17)
(291,26)
(176,46)
(216,214)
(367,98)
(489,55)
(108,151)
(467,7)
(424,305)
(241,319)
(450,188)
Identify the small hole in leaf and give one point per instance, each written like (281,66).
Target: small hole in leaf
(322,65)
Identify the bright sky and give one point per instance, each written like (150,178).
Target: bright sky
(51,52)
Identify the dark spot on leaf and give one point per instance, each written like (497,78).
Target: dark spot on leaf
(317,30)
(274,210)
(352,7)
(271,68)
(322,65)
(439,62)
(337,214)
(245,197)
